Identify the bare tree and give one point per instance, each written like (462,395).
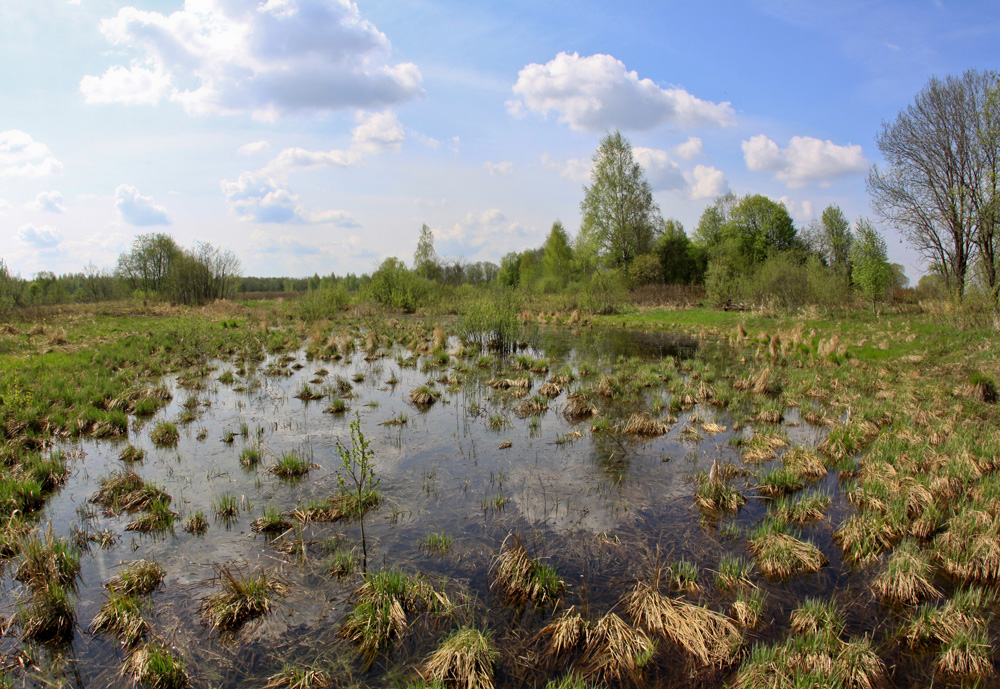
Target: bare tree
(940,179)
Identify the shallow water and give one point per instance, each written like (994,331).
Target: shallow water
(603,508)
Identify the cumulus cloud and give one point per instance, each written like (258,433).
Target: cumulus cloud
(598,93)
(805,161)
(661,172)
(705,182)
(43,237)
(22,156)
(267,58)
(801,211)
(501,169)
(255,197)
(51,201)
(689,150)
(484,236)
(376,132)
(253,148)
(138,210)
(576,169)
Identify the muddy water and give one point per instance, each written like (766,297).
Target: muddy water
(601,507)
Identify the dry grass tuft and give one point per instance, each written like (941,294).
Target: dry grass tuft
(780,555)
(615,651)
(550,389)
(565,634)
(424,396)
(521,578)
(578,407)
(707,636)
(465,659)
(907,576)
(242,599)
(641,424)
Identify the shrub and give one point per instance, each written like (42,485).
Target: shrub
(322,303)
(492,322)
(395,286)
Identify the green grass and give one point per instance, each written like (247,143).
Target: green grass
(227,506)
(165,434)
(140,577)
(292,465)
(271,520)
(437,542)
(154,666)
(242,599)
(123,616)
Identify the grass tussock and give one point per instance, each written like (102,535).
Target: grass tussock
(242,599)
(708,637)
(138,578)
(565,634)
(813,662)
(153,666)
(165,434)
(299,677)
(641,424)
(383,607)
(907,577)
(780,555)
(717,495)
(126,490)
(616,652)
(424,396)
(520,578)
(291,465)
(337,507)
(578,407)
(122,615)
(465,659)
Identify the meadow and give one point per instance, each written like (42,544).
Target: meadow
(231,496)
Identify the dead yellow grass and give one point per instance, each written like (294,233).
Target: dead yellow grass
(707,636)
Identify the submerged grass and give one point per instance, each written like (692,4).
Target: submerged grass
(520,578)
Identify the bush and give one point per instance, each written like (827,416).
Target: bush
(395,286)
(492,322)
(606,292)
(322,303)
(645,270)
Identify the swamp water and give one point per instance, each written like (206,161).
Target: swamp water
(604,508)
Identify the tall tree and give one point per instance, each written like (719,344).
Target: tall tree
(558,257)
(147,264)
(760,227)
(425,260)
(870,268)
(835,238)
(940,181)
(619,215)
(677,262)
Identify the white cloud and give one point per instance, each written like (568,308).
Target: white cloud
(484,236)
(43,237)
(51,201)
(136,85)
(258,198)
(801,211)
(266,58)
(705,182)
(598,93)
(502,169)
(22,156)
(805,161)
(138,210)
(689,150)
(377,131)
(661,172)
(4,205)
(253,148)
(576,169)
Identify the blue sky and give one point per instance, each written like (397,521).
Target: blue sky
(319,135)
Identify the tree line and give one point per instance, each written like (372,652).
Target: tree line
(938,187)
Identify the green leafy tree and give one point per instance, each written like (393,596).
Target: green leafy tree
(557,261)
(835,239)
(870,268)
(425,260)
(620,217)
(678,257)
(509,274)
(760,227)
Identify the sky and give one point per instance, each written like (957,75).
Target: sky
(318,136)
